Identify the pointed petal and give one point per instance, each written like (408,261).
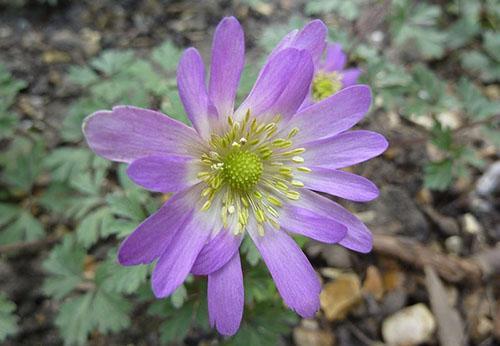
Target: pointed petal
(339,183)
(155,233)
(193,91)
(332,115)
(345,149)
(272,81)
(163,173)
(310,224)
(127,133)
(335,58)
(216,252)
(350,76)
(297,88)
(312,38)
(177,260)
(226,297)
(358,236)
(294,276)
(228,59)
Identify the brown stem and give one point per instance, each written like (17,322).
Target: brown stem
(29,245)
(472,270)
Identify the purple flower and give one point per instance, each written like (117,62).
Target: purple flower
(249,171)
(330,74)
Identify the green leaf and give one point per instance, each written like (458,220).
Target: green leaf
(479,64)
(492,44)
(66,162)
(259,286)
(89,183)
(492,134)
(24,227)
(350,10)
(414,28)
(252,254)
(475,103)
(442,137)
(9,88)
(65,202)
(8,122)
(80,315)
(128,204)
(74,319)
(179,296)
(8,320)
(119,279)
(110,312)
(113,61)
(65,268)
(264,324)
(23,164)
(175,329)
(93,226)
(82,75)
(438,175)
(462,32)
(275,32)
(167,55)
(72,124)
(172,106)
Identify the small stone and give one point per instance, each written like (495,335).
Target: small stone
(471,225)
(309,334)
(411,326)
(338,297)
(55,57)
(424,196)
(454,244)
(264,8)
(450,119)
(489,182)
(373,283)
(91,41)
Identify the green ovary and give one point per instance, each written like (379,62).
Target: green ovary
(325,85)
(242,169)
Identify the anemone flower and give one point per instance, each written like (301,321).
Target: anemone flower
(330,72)
(249,171)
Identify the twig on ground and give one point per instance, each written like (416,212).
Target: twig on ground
(472,270)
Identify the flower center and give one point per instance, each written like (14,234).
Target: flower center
(249,172)
(325,85)
(242,169)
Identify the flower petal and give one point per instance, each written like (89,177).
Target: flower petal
(310,224)
(127,133)
(216,253)
(339,183)
(155,234)
(228,59)
(333,115)
(226,297)
(297,88)
(335,58)
(272,81)
(193,91)
(177,260)
(294,276)
(312,38)
(358,237)
(345,149)
(350,76)
(163,173)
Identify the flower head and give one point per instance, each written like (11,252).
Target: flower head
(244,172)
(330,72)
